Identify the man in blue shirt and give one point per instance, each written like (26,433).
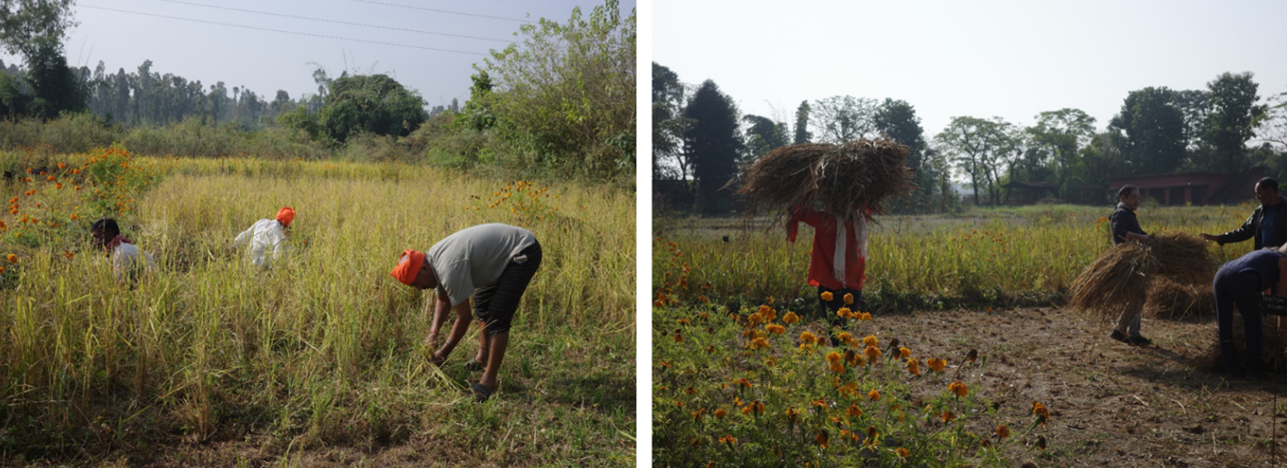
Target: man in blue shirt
(1267,226)
(1241,282)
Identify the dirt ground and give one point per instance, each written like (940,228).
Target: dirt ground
(1112,404)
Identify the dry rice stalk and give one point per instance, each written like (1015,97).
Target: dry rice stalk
(1114,281)
(1182,256)
(840,179)
(1170,300)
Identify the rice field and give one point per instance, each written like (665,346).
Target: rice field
(323,350)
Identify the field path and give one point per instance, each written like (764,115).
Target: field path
(1111,404)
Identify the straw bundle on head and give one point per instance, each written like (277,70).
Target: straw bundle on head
(1168,299)
(1114,281)
(840,179)
(1182,256)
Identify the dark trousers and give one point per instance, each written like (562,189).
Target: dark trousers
(1241,289)
(829,308)
(497,304)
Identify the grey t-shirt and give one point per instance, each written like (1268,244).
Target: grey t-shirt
(474,258)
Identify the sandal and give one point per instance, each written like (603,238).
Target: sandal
(481,393)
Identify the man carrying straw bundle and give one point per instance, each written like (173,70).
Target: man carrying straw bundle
(1125,227)
(1241,282)
(494,263)
(1267,226)
(838,263)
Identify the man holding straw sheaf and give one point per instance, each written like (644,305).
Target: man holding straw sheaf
(838,262)
(1125,227)
(1267,226)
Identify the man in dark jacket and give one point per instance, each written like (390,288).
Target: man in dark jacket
(1126,228)
(1267,226)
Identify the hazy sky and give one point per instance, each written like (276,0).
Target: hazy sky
(265,61)
(1012,59)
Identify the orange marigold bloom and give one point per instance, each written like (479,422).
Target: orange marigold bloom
(913,367)
(790,318)
(683,321)
(13,200)
(77,187)
(792,415)
(1003,431)
(62,166)
(58,186)
(849,298)
(758,343)
(873,395)
(958,388)
(807,337)
(50,178)
(1,269)
(870,340)
(836,367)
(764,310)
(844,312)
(826,295)
(68,254)
(822,439)
(903,452)
(854,410)
(873,352)
(948,416)
(12,258)
(904,353)
(679,337)
(775,329)
(729,439)
(720,413)
(936,364)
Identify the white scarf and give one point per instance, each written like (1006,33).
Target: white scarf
(860,235)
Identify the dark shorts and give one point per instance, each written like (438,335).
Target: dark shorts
(495,305)
(828,308)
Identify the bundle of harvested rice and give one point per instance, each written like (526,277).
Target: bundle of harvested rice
(1170,300)
(842,179)
(1117,279)
(1182,256)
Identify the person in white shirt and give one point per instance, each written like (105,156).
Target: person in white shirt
(493,263)
(128,261)
(267,238)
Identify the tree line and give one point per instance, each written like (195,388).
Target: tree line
(700,139)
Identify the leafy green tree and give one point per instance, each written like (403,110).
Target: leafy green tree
(13,102)
(1194,104)
(668,125)
(1153,131)
(802,134)
(840,119)
(1057,137)
(370,103)
(478,109)
(714,146)
(1231,121)
(897,120)
(764,135)
(57,87)
(981,149)
(23,22)
(566,92)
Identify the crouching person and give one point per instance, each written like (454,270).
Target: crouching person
(492,262)
(267,238)
(128,261)
(1242,282)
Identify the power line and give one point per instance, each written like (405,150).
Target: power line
(443,11)
(336,22)
(286,32)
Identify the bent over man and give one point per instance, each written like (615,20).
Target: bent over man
(494,263)
(267,234)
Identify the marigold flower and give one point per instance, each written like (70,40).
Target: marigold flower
(836,367)
(58,186)
(866,316)
(958,388)
(764,310)
(775,329)
(1003,431)
(827,296)
(683,321)
(972,355)
(12,258)
(821,403)
(755,318)
(76,187)
(792,415)
(720,413)
(1,269)
(822,439)
(68,254)
(844,312)
(833,356)
(728,439)
(1041,442)
(902,452)
(678,337)
(679,404)
(759,342)
(13,200)
(872,432)
(62,166)
(904,353)
(873,352)
(807,337)
(913,367)
(854,410)
(790,318)
(50,178)
(936,364)
(873,395)
(870,340)
(948,416)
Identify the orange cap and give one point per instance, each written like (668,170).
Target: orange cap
(285,216)
(409,266)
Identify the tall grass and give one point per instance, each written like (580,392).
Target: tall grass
(324,347)
(987,257)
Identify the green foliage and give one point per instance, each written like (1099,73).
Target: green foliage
(841,119)
(1230,122)
(566,92)
(477,114)
(802,134)
(1153,129)
(23,23)
(370,103)
(56,87)
(980,148)
(301,119)
(714,145)
(668,125)
(764,135)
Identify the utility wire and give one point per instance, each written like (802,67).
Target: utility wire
(286,32)
(334,21)
(443,11)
